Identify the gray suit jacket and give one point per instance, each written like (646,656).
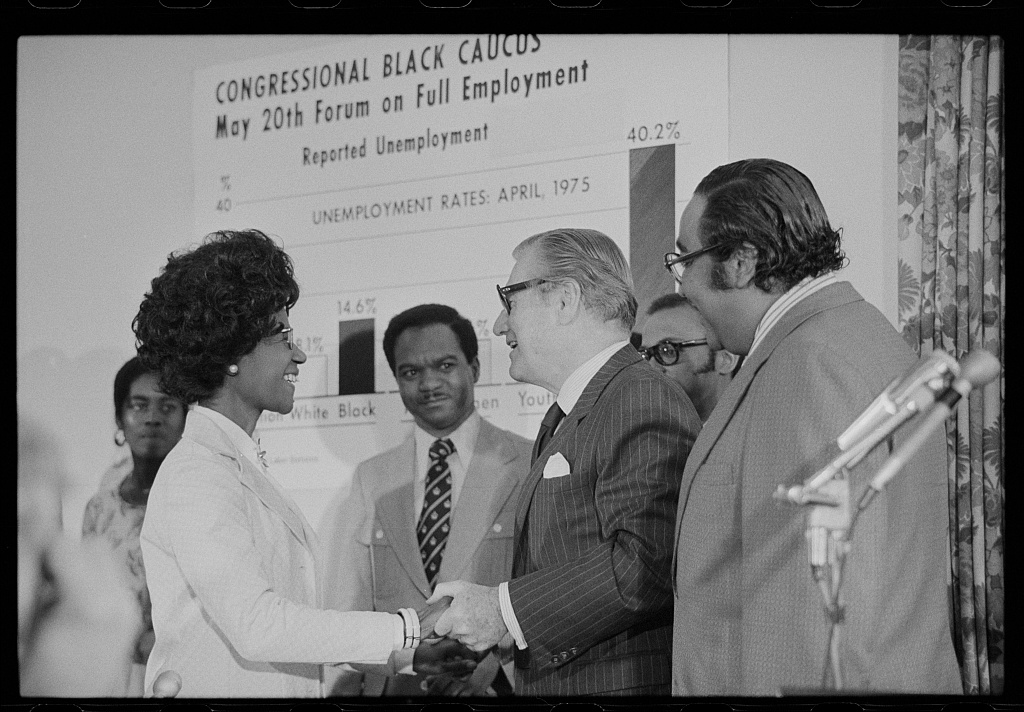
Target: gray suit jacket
(749,619)
(591,585)
(369,540)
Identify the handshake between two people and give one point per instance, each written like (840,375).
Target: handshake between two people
(459,624)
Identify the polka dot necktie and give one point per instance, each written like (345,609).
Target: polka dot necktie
(435,519)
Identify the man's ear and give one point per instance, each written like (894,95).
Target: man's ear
(570,300)
(725,362)
(475,365)
(740,267)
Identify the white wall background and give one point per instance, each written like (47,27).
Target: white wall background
(105,190)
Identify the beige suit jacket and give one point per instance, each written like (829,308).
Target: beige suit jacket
(233,570)
(370,548)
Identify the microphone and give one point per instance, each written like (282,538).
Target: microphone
(906,396)
(937,365)
(978,368)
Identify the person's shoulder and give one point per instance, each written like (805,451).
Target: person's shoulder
(193,466)
(853,333)
(385,467)
(641,388)
(642,377)
(114,475)
(508,443)
(488,429)
(383,457)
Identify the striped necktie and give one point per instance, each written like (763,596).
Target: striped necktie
(434,523)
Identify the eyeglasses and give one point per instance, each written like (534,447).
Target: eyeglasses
(503,292)
(289,337)
(667,352)
(677,263)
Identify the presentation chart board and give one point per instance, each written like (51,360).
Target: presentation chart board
(401,170)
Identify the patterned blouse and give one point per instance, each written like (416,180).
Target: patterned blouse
(109,516)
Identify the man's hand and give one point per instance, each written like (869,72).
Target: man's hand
(444,657)
(474,617)
(429,614)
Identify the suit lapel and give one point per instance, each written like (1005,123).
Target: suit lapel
(622,358)
(208,434)
(827,298)
(395,511)
(487,487)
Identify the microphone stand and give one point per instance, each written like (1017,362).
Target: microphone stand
(831,524)
(828,538)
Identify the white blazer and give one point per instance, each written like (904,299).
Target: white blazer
(233,573)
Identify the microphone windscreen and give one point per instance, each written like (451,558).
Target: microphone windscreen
(979,367)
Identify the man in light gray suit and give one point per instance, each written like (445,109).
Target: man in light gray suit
(437,507)
(589,600)
(757,257)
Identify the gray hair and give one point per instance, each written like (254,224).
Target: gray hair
(593,261)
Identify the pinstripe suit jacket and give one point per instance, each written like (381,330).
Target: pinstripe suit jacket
(748,616)
(591,584)
(233,573)
(373,557)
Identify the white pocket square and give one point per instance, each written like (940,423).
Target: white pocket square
(556,466)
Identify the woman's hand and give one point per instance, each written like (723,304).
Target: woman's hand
(444,657)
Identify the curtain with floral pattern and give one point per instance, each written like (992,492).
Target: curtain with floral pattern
(951,295)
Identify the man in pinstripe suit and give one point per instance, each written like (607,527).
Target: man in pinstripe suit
(589,602)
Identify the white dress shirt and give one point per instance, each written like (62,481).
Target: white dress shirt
(464,440)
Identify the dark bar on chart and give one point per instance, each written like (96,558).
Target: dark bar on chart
(652,221)
(355,357)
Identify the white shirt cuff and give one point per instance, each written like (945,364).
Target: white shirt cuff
(399,635)
(509,616)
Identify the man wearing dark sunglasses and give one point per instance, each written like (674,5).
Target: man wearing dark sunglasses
(679,341)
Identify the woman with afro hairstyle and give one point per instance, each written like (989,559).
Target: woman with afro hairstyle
(232,565)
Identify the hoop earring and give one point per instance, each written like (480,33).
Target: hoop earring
(119,437)
(233,369)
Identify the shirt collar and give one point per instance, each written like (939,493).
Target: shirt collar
(572,389)
(246,445)
(800,291)
(463,438)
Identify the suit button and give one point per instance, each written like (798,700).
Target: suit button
(572,651)
(496,528)
(554,659)
(565,655)
(380,533)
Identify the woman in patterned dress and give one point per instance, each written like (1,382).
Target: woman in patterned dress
(150,423)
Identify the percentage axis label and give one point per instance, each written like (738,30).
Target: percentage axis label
(667,131)
(365,306)
(311,344)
